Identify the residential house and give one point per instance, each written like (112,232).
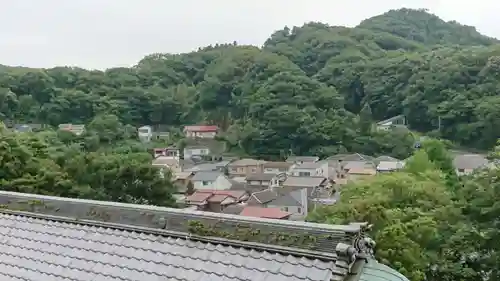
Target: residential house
(315,186)
(388,164)
(311,169)
(190,151)
(277,167)
(99,240)
(201,131)
(294,202)
(388,124)
(172,152)
(215,200)
(244,167)
(265,213)
(145,133)
(25,128)
(75,129)
(355,170)
(210,180)
(166,163)
(302,159)
(181,182)
(260,179)
(465,164)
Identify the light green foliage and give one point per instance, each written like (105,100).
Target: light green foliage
(424,228)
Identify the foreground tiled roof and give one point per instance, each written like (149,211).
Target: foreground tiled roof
(50,238)
(41,249)
(53,249)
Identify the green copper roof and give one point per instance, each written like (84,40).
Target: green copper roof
(375,271)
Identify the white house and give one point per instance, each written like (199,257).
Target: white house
(311,169)
(212,180)
(191,151)
(75,129)
(396,121)
(145,133)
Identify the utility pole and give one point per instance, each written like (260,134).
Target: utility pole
(439,123)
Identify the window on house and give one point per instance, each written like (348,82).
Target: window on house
(285,209)
(205,183)
(304,174)
(234,170)
(461,170)
(299,210)
(203,151)
(254,170)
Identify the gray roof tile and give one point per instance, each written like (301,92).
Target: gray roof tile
(285,200)
(41,249)
(470,161)
(206,176)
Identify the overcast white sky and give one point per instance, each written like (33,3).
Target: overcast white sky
(108,33)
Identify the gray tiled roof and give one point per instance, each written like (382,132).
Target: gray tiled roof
(265,196)
(63,239)
(260,177)
(470,161)
(206,176)
(39,249)
(304,181)
(285,200)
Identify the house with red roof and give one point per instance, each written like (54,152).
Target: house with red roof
(201,131)
(215,200)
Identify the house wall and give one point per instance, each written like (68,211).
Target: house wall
(263,183)
(462,172)
(244,170)
(221,183)
(297,212)
(202,135)
(276,170)
(189,152)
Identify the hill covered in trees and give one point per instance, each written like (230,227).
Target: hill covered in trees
(313,89)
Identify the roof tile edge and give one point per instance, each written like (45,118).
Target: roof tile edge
(181,235)
(308,236)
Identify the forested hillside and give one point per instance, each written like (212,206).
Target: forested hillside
(310,89)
